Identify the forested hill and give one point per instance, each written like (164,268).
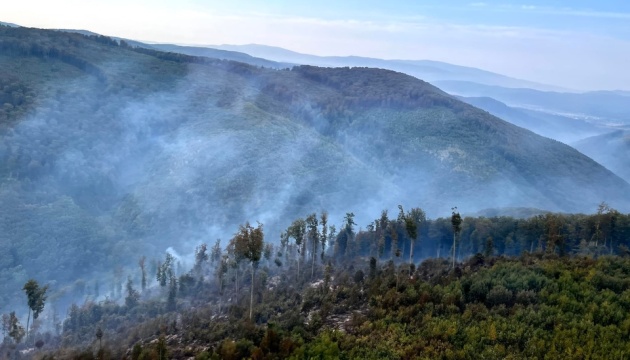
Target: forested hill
(611,150)
(109,151)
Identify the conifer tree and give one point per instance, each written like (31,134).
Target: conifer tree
(165,271)
(132,295)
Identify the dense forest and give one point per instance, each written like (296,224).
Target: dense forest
(551,286)
(121,166)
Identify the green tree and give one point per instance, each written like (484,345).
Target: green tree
(346,235)
(201,256)
(324,236)
(36,298)
(133,296)
(161,348)
(393,234)
(249,243)
(165,271)
(602,208)
(381,225)
(16,331)
(489,247)
(313,237)
(412,220)
(297,230)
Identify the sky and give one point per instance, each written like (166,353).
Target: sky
(581,45)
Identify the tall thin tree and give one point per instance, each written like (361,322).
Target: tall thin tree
(456,222)
(324,236)
(249,243)
(297,230)
(143,273)
(313,237)
(36,297)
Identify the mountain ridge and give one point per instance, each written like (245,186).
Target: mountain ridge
(428,70)
(110,151)
(602,107)
(611,150)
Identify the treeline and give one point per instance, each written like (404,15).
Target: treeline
(294,293)
(62,46)
(606,232)
(360,88)
(22,45)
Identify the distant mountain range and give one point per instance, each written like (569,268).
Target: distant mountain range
(426,70)
(599,107)
(220,54)
(554,126)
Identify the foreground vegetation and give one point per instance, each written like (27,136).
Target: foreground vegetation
(323,293)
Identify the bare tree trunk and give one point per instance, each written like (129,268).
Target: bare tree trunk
(453,251)
(220,294)
(411,252)
(313,265)
(28,320)
(236,285)
(251,297)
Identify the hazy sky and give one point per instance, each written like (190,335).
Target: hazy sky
(576,44)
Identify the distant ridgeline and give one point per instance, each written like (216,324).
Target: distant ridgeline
(108,151)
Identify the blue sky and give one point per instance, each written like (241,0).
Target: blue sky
(577,44)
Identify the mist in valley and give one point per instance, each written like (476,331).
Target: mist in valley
(163,156)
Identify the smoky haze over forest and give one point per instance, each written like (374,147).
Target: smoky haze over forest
(157,152)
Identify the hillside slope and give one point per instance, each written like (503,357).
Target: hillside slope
(553,126)
(611,150)
(109,151)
